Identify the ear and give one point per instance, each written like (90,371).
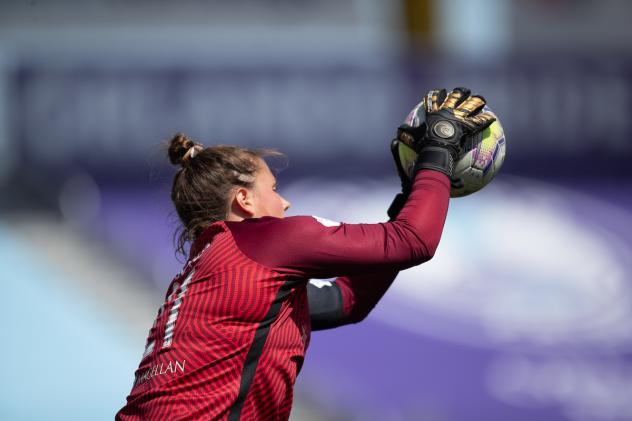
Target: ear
(242,203)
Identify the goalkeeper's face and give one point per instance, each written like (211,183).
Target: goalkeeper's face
(266,200)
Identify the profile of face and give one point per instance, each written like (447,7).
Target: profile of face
(260,200)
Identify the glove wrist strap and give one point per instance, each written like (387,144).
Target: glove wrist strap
(434,158)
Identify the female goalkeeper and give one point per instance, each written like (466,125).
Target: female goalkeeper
(231,335)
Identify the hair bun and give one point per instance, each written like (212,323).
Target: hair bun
(179,148)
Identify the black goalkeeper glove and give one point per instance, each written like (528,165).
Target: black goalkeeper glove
(400,199)
(436,130)
(449,119)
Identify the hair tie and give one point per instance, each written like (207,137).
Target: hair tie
(193,150)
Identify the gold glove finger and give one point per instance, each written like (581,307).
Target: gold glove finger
(483,120)
(470,106)
(434,99)
(455,97)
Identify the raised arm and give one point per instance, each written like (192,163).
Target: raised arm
(308,247)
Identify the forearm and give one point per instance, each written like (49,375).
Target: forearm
(420,222)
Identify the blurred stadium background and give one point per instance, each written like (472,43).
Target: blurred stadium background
(524,314)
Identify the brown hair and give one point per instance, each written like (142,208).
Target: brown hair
(202,186)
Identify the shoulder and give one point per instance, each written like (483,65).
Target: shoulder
(276,242)
(272,241)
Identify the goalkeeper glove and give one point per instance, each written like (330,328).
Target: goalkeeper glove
(449,119)
(436,129)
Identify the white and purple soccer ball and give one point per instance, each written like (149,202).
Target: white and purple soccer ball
(484,154)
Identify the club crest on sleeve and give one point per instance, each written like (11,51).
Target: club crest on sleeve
(326,222)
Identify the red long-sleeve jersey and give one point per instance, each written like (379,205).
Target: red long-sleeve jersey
(230,338)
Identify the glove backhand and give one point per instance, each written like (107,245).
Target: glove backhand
(450,117)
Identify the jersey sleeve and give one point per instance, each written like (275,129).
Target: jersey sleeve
(307,247)
(348,299)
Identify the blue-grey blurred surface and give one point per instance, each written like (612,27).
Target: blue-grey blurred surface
(523,314)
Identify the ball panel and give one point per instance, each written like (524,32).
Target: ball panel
(478,166)
(407,157)
(487,149)
(412,119)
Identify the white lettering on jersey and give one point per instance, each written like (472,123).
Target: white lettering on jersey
(173,314)
(149,348)
(326,222)
(173,367)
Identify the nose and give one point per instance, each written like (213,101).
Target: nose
(286,204)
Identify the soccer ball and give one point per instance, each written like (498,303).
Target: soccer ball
(484,154)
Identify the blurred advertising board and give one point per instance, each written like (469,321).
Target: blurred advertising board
(557,111)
